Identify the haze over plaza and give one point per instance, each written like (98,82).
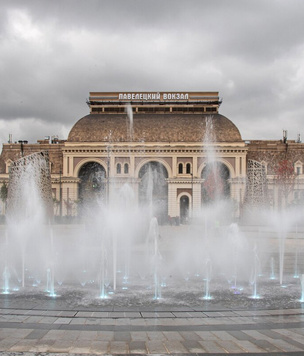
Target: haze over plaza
(54,53)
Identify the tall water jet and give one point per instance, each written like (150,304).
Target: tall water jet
(302,288)
(103,272)
(51,269)
(255,274)
(207,295)
(296,267)
(236,253)
(153,241)
(282,222)
(30,206)
(6,273)
(282,238)
(6,278)
(272,268)
(30,190)
(124,215)
(129,112)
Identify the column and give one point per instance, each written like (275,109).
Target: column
(65,166)
(194,167)
(172,208)
(197,191)
(237,166)
(174,166)
(132,167)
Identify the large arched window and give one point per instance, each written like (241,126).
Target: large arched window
(92,185)
(153,189)
(216,182)
(118,168)
(184,209)
(126,168)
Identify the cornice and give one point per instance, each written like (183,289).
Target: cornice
(178,180)
(146,151)
(64,180)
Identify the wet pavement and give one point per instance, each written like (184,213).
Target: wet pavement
(38,326)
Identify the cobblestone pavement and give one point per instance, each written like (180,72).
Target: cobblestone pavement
(30,331)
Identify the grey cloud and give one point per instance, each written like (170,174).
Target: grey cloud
(250,51)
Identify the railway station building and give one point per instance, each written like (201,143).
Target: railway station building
(173,148)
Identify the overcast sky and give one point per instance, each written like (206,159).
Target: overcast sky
(53,53)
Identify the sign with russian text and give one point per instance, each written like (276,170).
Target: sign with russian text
(153,96)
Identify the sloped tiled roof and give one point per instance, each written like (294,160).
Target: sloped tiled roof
(153,128)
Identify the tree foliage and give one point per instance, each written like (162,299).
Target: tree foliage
(285,177)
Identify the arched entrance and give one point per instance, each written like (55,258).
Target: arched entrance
(216,184)
(184,209)
(153,189)
(92,185)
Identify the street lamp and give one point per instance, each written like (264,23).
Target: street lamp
(60,194)
(192,193)
(108,176)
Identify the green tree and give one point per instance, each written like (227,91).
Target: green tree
(285,177)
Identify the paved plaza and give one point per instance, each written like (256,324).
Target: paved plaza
(31,327)
(131,322)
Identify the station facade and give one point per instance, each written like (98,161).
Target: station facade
(175,146)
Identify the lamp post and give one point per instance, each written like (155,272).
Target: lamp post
(108,175)
(60,194)
(108,168)
(192,194)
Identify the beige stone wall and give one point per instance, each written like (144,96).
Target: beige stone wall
(68,158)
(233,156)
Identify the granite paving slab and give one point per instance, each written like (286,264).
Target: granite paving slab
(160,330)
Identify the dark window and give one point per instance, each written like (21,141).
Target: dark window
(180,168)
(188,168)
(118,168)
(126,168)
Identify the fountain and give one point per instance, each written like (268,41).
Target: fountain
(255,274)
(272,268)
(302,286)
(153,239)
(6,278)
(122,254)
(207,295)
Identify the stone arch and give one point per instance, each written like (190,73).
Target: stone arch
(220,160)
(92,183)
(7,165)
(87,160)
(153,189)
(298,168)
(161,161)
(216,182)
(184,218)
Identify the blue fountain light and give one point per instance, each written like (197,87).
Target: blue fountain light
(207,297)
(302,286)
